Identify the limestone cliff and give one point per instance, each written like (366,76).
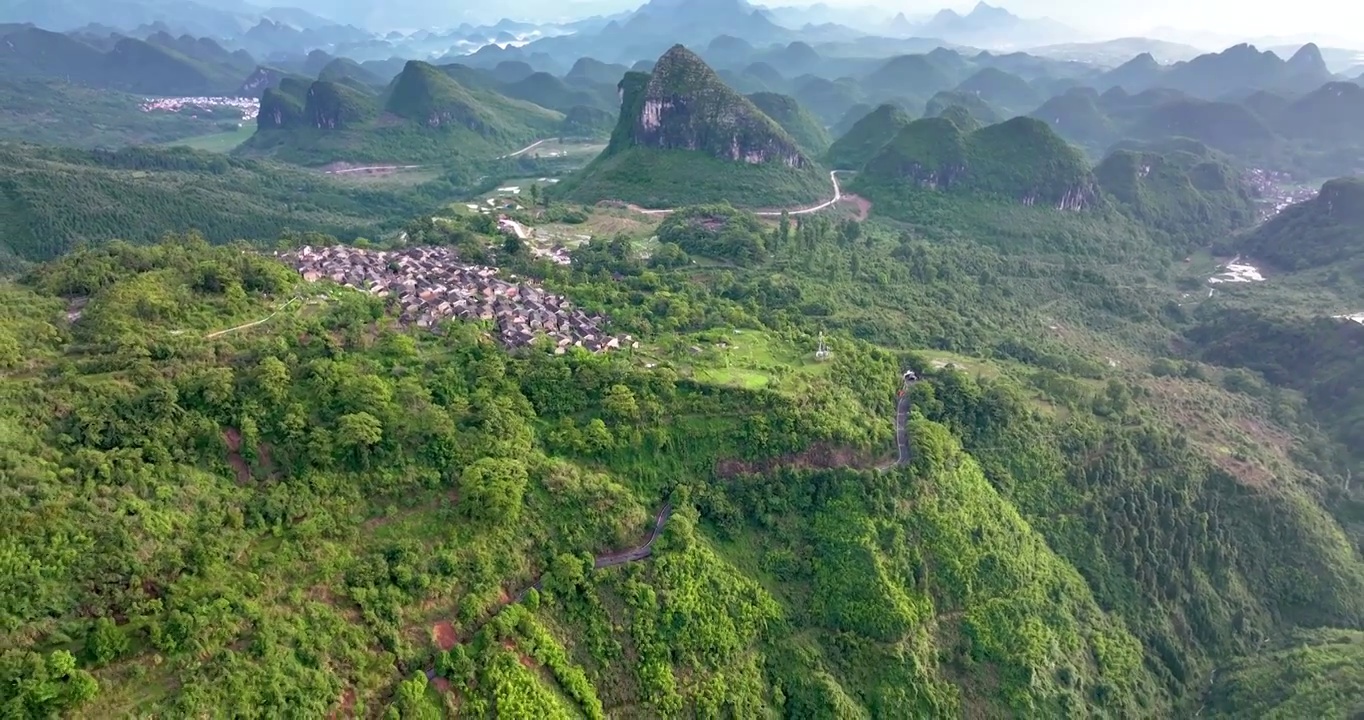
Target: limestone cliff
(683,105)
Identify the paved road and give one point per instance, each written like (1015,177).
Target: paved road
(367,168)
(524,150)
(641,552)
(833,178)
(901,431)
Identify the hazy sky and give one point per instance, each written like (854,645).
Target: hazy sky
(1116,18)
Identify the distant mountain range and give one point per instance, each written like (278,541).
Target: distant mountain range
(989,26)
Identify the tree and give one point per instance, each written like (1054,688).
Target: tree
(492,489)
(534,194)
(359,432)
(620,403)
(107,642)
(598,438)
(513,245)
(273,379)
(412,703)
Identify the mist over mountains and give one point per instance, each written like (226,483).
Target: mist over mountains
(409,29)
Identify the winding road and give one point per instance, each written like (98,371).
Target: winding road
(833,178)
(901,426)
(524,150)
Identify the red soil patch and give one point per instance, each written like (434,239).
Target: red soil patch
(862,204)
(445,635)
(264,453)
(233,438)
(441,685)
(347,706)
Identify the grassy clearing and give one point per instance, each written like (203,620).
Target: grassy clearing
(557,148)
(405,177)
(744,359)
(221,142)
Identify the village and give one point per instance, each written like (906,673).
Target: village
(249,107)
(430,285)
(1276,190)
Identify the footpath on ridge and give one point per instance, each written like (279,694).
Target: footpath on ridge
(643,551)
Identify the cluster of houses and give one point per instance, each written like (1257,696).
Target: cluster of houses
(1277,190)
(249,107)
(429,285)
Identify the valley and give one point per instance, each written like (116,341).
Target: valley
(689,360)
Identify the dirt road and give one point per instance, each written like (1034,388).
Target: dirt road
(833,178)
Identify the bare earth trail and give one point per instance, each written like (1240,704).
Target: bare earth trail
(837,198)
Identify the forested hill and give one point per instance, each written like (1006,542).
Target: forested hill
(684,137)
(53,199)
(424,116)
(241,491)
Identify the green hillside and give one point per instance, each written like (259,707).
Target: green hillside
(907,76)
(866,137)
(1071,536)
(982,111)
(994,439)
(1321,676)
(587,122)
(56,113)
(548,91)
(1001,89)
(1330,114)
(828,100)
(344,69)
(1076,116)
(1323,231)
(52,200)
(1021,160)
(1189,195)
(1226,126)
(683,137)
(130,65)
(337,106)
(425,116)
(808,132)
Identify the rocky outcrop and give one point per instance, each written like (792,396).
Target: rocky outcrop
(331,106)
(282,107)
(684,105)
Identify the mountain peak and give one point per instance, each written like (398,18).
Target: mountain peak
(1308,57)
(1145,59)
(686,106)
(424,93)
(985,10)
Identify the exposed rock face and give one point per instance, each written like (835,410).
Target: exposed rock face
(685,106)
(1343,199)
(331,106)
(260,79)
(282,107)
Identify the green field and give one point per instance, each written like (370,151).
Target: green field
(219,141)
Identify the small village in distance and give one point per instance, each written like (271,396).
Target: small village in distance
(429,285)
